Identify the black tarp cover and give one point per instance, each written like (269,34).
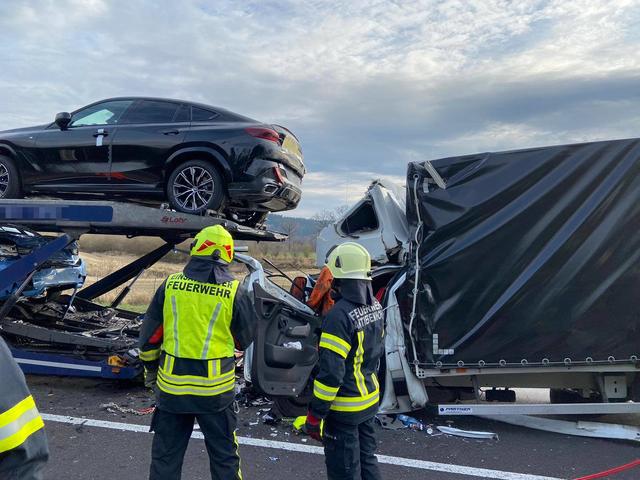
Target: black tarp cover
(527,255)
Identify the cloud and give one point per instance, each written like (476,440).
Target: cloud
(327,190)
(366,85)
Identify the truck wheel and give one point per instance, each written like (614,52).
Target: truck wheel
(195,187)
(295,406)
(9,179)
(292,406)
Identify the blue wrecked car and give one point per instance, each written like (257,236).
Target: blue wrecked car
(63,271)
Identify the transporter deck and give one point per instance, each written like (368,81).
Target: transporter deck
(118,218)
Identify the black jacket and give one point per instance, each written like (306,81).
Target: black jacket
(357,320)
(26,459)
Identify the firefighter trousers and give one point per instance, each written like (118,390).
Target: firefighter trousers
(171,438)
(349,450)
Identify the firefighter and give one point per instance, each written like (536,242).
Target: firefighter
(346,390)
(187,341)
(23,443)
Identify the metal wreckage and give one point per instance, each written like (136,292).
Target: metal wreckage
(495,270)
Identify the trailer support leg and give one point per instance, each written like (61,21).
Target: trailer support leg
(126,273)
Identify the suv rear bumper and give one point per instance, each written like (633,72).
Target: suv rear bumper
(264,194)
(262,190)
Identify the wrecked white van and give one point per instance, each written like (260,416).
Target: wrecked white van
(498,270)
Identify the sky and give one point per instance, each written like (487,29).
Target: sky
(367,86)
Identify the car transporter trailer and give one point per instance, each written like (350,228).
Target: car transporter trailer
(72,335)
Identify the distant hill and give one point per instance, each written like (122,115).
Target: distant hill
(305,228)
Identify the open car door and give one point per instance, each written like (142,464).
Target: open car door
(285,348)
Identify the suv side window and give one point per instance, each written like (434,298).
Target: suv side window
(151,111)
(202,115)
(106,113)
(183,114)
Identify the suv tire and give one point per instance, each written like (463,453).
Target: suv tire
(195,186)
(9,179)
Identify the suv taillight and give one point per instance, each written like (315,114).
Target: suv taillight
(277,173)
(264,133)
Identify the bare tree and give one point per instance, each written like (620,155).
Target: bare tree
(290,227)
(328,217)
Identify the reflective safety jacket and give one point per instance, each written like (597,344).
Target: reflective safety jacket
(23,444)
(188,338)
(351,345)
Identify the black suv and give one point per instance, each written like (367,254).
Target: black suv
(197,157)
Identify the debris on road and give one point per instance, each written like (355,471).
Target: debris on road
(248,396)
(272,417)
(411,423)
(468,433)
(113,407)
(389,422)
(80,426)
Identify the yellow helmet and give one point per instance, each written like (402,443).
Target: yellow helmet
(214,242)
(350,260)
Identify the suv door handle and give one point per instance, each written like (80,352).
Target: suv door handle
(171,132)
(101,131)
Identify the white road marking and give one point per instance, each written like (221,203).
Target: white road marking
(68,366)
(298,447)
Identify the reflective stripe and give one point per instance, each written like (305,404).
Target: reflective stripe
(335,344)
(199,391)
(337,340)
(18,423)
(212,321)
(214,368)
(235,442)
(212,384)
(168,364)
(174,309)
(324,392)
(355,404)
(357,364)
(195,380)
(150,355)
(374,377)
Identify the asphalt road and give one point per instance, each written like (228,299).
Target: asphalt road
(107,451)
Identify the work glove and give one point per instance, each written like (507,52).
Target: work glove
(301,425)
(150,377)
(313,427)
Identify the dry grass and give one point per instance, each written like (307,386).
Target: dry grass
(113,243)
(102,264)
(105,254)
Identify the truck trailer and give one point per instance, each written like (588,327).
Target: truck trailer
(507,269)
